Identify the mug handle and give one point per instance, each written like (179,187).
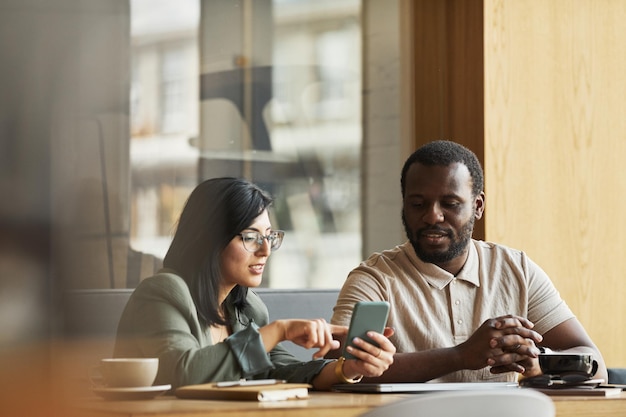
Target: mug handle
(594,367)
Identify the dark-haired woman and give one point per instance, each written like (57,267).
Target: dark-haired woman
(198,317)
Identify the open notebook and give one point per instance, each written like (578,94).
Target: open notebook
(417,387)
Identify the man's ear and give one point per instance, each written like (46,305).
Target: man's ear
(479,205)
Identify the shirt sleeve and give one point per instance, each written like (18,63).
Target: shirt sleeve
(249,351)
(546,308)
(363,284)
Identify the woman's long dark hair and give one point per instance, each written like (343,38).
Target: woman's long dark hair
(216,211)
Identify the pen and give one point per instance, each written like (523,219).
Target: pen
(247,383)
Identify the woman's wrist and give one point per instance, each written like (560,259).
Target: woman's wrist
(341,375)
(273,333)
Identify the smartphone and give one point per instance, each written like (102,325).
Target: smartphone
(366,316)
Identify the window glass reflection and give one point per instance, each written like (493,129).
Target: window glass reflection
(267,90)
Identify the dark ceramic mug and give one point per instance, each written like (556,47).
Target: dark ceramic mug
(571,367)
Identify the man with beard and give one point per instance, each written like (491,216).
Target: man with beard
(462,309)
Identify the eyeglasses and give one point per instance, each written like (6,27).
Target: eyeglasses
(253,241)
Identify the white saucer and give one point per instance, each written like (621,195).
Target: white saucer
(133,393)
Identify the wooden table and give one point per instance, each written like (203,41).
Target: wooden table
(590,406)
(327,404)
(26,391)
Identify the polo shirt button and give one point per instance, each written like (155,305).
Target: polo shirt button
(460,321)
(457,302)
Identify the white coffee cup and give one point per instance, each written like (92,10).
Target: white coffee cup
(128,372)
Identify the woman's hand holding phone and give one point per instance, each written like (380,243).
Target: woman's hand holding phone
(370,359)
(366,316)
(367,350)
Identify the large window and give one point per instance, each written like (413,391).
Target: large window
(267,90)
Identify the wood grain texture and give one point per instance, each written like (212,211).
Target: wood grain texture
(448,75)
(555,146)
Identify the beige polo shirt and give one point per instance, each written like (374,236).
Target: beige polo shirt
(431,308)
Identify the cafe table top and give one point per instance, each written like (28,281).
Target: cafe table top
(327,404)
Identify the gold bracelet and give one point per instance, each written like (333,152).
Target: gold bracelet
(342,377)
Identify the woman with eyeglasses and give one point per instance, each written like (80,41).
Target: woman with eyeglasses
(199,318)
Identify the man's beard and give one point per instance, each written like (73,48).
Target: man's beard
(457,246)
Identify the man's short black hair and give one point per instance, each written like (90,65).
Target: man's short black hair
(444,153)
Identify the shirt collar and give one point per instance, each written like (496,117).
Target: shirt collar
(438,277)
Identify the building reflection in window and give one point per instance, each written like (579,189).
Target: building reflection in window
(268,90)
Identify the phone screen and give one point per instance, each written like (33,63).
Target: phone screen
(366,316)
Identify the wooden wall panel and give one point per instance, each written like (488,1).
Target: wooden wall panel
(537,88)
(555,146)
(448,71)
